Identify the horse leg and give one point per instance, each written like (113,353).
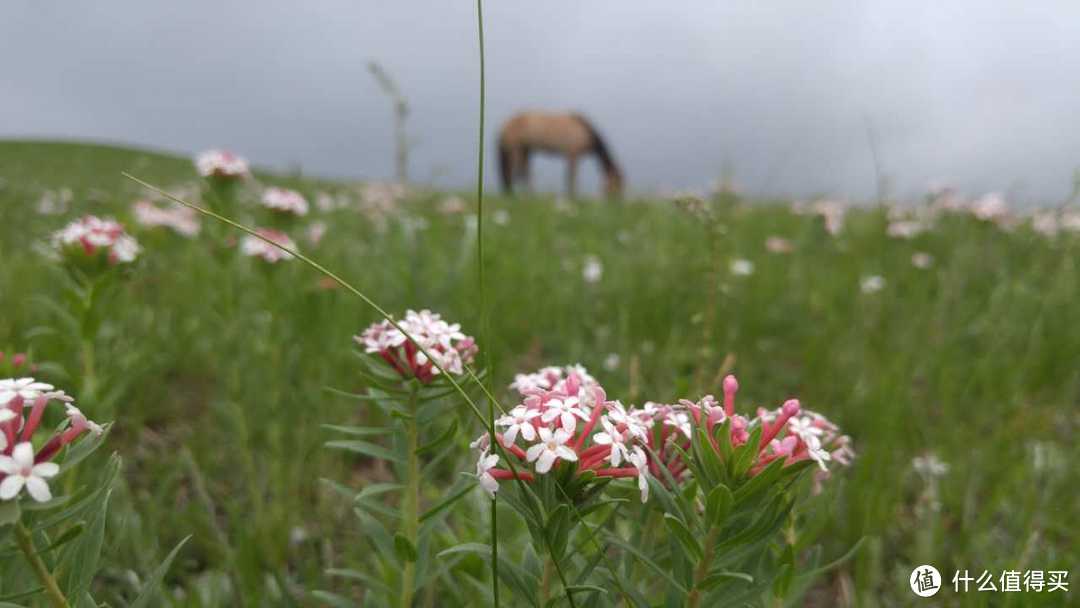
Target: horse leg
(526,169)
(516,156)
(571,175)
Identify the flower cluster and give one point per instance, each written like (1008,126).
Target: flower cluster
(221,164)
(182,220)
(283,200)
(258,248)
(449,348)
(565,419)
(23,402)
(94,237)
(551,378)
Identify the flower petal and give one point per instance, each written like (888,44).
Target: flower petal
(45,469)
(38,489)
(546,460)
(10,487)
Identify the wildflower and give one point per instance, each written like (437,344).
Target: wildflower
(27,389)
(905,229)
(929,466)
(593,270)
(94,237)
(742,267)
(990,207)
(552,446)
(551,378)
(922,260)
(21,471)
(501,217)
(611,362)
(285,201)
(221,164)
(519,420)
(450,348)
(872,284)
(182,220)
(23,402)
(315,232)
(451,205)
(776,244)
(259,248)
(484,464)
(565,410)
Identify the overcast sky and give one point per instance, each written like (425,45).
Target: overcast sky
(786,95)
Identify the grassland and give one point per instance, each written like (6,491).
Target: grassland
(216,374)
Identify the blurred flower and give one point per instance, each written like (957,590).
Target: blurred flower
(221,164)
(929,466)
(501,217)
(255,247)
(776,244)
(611,362)
(55,202)
(742,268)
(452,204)
(990,207)
(285,201)
(551,378)
(905,229)
(593,270)
(921,259)
(26,389)
(93,237)
(315,232)
(443,341)
(183,220)
(872,284)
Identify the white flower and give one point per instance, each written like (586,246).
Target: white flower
(518,420)
(90,234)
(921,260)
(611,362)
(593,270)
(642,478)
(481,443)
(803,427)
(872,284)
(565,410)
(679,420)
(219,163)
(905,229)
(777,244)
(483,466)
(181,219)
(742,268)
(74,412)
(21,471)
(285,201)
(551,446)
(27,388)
(501,217)
(817,453)
(929,466)
(612,437)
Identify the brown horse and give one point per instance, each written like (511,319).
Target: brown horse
(566,134)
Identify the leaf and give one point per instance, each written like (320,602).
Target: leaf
(716,578)
(644,559)
(356,431)
(445,504)
(334,600)
(718,506)
(683,535)
(80,561)
(366,448)
(153,583)
(85,447)
(477,548)
(404,548)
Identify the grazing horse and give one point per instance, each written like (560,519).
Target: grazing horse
(566,134)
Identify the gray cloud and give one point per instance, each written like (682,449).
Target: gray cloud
(976,94)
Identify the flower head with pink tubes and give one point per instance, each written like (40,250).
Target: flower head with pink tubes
(23,403)
(253,246)
(444,342)
(574,422)
(182,220)
(221,164)
(284,201)
(91,238)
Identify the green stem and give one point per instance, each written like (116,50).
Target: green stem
(693,600)
(26,545)
(410,516)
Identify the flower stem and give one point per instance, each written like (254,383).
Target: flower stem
(410,521)
(693,600)
(26,545)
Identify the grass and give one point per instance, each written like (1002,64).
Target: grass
(217,372)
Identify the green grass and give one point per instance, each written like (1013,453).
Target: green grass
(216,372)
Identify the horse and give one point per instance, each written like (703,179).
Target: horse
(566,134)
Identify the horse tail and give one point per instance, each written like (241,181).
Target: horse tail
(506,171)
(600,147)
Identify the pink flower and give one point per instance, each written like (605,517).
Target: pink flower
(285,201)
(182,220)
(221,164)
(91,236)
(256,247)
(451,349)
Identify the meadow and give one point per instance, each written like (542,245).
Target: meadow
(221,373)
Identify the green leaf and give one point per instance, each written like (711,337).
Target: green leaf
(644,559)
(683,535)
(718,506)
(442,439)
(356,431)
(477,548)
(84,447)
(152,586)
(334,600)
(715,578)
(404,549)
(80,561)
(445,504)
(366,448)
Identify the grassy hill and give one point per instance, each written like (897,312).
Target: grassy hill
(214,368)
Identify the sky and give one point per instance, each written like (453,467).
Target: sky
(786,97)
